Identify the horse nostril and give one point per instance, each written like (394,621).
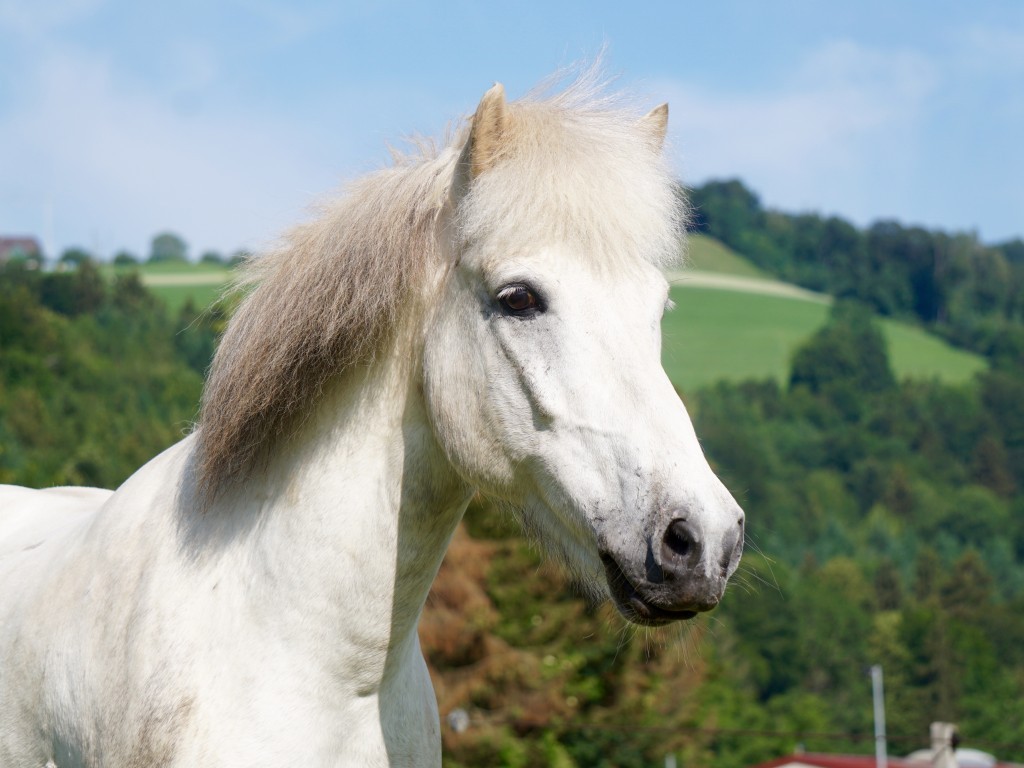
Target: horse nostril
(680,546)
(677,541)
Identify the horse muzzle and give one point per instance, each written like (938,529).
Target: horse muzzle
(681,576)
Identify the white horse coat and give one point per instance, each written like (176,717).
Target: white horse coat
(483,319)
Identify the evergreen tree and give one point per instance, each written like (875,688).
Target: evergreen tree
(168,246)
(845,359)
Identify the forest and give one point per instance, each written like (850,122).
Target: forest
(886,516)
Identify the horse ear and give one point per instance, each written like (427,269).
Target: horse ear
(655,125)
(485,135)
(488,126)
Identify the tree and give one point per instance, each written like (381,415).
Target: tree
(1013,250)
(848,356)
(928,571)
(967,592)
(888,586)
(990,466)
(1002,393)
(1007,349)
(73,258)
(725,209)
(129,294)
(991,283)
(26,260)
(167,246)
(124,259)
(212,257)
(82,291)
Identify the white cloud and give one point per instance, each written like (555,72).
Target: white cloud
(104,156)
(992,50)
(829,136)
(114,164)
(118,154)
(288,21)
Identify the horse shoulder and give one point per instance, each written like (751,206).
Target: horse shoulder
(75,614)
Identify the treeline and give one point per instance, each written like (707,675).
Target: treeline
(96,377)
(165,247)
(886,518)
(971,293)
(886,527)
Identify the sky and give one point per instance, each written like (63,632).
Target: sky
(224,120)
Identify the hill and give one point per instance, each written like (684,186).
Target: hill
(175,282)
(733,321)
(734,333)
(706,254)
(951,283)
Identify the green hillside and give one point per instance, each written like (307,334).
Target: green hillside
(710,255)
(175,282)
(175,296)
(717,334)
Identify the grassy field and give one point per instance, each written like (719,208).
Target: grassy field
(709,255)
(175,283)
(714,334)
(176,296)
(175,268)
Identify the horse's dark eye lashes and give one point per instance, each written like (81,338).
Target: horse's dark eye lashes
(518,299)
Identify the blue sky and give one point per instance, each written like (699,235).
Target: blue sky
(223,121)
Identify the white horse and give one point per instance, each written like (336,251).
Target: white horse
(480,318)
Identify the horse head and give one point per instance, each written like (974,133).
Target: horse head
(542,371)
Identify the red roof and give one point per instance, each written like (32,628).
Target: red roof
(850,761)
(835,761)
(25,245)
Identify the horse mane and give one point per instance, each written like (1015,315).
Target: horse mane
(329,297)
(322,302)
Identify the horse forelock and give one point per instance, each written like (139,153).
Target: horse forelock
(577,168)
(572,167)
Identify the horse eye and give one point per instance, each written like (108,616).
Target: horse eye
(518,299)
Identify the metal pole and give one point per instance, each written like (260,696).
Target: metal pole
(878,697)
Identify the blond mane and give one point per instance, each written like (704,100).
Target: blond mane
(330,296)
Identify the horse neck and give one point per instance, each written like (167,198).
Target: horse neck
(353,517)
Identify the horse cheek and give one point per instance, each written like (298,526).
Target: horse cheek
(455,391)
